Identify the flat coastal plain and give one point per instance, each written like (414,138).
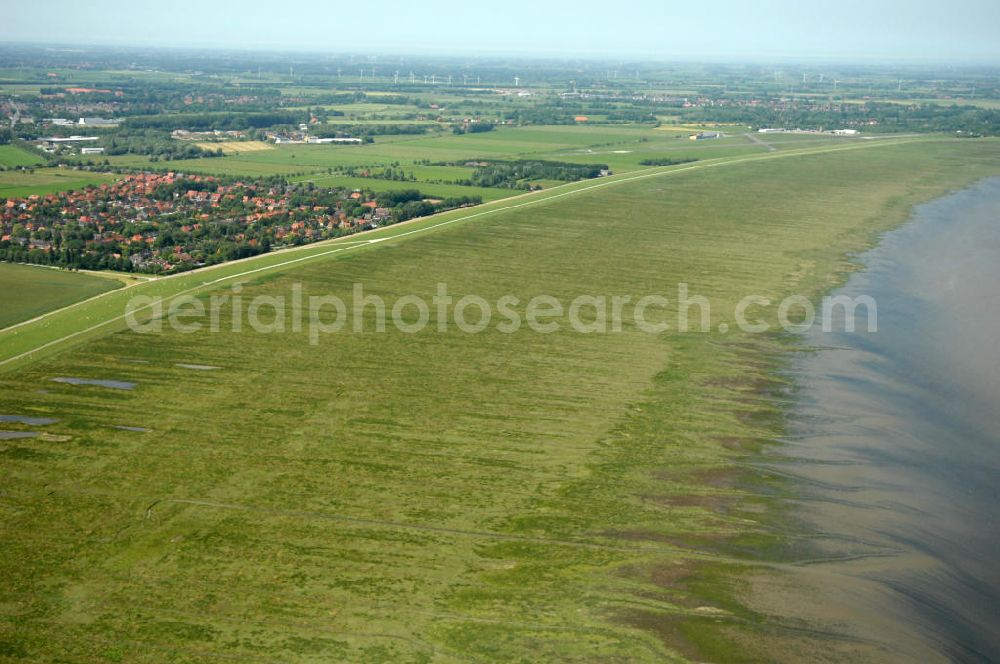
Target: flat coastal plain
(425,497)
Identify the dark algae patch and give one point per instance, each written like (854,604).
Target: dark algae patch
(111,384)
(12,435)
(30,421)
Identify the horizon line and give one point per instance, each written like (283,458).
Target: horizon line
(558,55)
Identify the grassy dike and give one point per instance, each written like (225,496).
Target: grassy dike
(446,496)
(59,329)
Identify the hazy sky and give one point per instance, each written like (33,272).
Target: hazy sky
(842,29)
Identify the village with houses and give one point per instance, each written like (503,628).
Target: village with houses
(163,222)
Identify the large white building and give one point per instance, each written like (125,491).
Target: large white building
(69,139)
(98,122)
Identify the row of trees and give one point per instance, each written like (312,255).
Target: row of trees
(666,161)
(875,117)
(519,174)
(473,128)
(152,142)
(367,130)
(410,203)
(213,121)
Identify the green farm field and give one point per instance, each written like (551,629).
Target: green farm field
(445,496)
(992,104)
(29,290)
(48,181)
(22,89)
(622,148)
(12,156)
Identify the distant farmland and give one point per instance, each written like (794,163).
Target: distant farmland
(236,147)
(623,148)
(48,181)
(12,156)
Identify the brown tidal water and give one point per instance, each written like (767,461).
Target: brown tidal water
(894,439)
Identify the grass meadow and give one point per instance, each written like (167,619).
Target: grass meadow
(31,290)
(450,496)
(48,181)
(12,156)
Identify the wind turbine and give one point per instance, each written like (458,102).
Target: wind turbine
(517,81)
(836,82)
(395,78)
(412,77)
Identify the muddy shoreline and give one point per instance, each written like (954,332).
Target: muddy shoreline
(894,448)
